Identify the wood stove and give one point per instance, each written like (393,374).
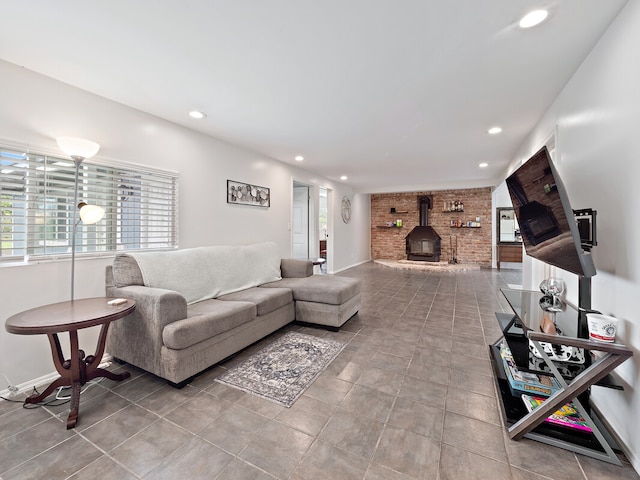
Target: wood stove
(423,242)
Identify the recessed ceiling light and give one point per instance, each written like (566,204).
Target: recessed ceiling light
(197,114)
(483,165)
(533,18)
(343,177)
(299,158)
(494,130)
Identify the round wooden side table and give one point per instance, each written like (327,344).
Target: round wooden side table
(72,316)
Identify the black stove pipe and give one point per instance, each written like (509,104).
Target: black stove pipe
(424,204)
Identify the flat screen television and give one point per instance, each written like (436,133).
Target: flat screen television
(547,223)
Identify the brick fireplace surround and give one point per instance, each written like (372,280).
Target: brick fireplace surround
(474,244)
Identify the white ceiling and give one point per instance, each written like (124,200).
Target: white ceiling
(395,94)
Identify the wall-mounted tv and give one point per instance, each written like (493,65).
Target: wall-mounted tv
(547,224)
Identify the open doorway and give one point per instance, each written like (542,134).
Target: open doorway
(310,225)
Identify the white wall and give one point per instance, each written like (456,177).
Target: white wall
(34,110)
(360,221)
(597,117)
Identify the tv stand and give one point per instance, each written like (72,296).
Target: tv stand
(522,328)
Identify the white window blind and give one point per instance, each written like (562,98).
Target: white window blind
(37,211)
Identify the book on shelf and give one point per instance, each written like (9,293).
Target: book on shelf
(566,416)
(527,382)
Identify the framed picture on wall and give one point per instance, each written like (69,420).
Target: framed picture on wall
(248,194)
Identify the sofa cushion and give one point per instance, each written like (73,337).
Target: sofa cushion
(206,319)
(329,289)
(296,268)
(126,271)
(266,299)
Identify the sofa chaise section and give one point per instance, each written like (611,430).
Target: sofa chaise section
(327,300)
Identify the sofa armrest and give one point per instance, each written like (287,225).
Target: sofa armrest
(296,268)
(137,339)
(160,307)
(164,306)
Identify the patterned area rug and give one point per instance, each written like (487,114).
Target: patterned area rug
(282,371)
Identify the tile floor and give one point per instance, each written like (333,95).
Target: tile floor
(410,397)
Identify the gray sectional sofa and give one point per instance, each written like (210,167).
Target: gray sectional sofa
(196,307)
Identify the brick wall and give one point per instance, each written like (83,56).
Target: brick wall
(474,244)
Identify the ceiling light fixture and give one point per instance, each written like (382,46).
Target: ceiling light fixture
(343,177)
(483,165)
(197,114)
(533,18)
(494,130)
(299,158)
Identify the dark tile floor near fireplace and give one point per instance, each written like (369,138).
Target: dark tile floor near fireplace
(410,397)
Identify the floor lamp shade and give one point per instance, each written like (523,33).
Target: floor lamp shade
(90,214)
(78,147)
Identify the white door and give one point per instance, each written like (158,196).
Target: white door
(300,221)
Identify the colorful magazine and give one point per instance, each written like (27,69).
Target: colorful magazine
(566,416)
(534,383)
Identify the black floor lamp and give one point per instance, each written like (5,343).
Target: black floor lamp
(79,149)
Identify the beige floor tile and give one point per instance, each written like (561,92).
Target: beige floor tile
(119,427)
(277,449)
(457,464)
(418,418)
(408,453)
(103,468)
(234,428)
(196,458)
(59,462)
(474,436)
(326,461)
(474,405)
(368,402)
(147,449)
(352,432)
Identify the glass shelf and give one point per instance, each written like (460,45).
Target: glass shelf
(521,330)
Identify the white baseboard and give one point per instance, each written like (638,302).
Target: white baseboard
(27,387)
(351,266)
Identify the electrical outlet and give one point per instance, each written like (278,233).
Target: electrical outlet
(13,391)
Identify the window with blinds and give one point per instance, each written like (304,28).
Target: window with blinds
(37,215)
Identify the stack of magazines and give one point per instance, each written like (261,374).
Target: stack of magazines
(565,416)
(528,382)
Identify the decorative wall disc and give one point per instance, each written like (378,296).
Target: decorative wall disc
(346,209)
